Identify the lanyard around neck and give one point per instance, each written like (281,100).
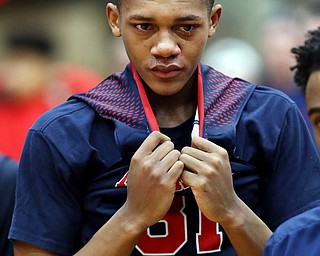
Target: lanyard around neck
(199,116)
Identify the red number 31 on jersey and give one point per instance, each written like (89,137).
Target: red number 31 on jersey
(208,239)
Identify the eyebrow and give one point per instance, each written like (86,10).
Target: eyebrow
(140,17)
(184,18)
(188,18)
(313,110)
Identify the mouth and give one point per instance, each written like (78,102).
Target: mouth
(166,71)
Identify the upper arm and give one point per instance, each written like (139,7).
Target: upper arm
(25,249)
(46,198)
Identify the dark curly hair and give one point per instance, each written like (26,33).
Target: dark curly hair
(307,58)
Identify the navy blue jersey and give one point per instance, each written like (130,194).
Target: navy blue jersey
(297,236)
(74,165)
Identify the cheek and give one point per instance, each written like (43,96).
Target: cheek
(318,140)
(139,55)
(316,131)
(134,50)
(197,49)
(312,99)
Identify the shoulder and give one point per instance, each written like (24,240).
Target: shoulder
(252,100)
(295,236)
(271,101)
(63,129)
(265,91)
(70,133)
(255,92)
(72,111)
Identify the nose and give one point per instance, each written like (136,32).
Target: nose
(165,45)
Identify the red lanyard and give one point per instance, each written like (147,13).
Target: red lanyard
(199,116)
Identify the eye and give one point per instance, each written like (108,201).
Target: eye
(315,120)
(144,27)
(187,29)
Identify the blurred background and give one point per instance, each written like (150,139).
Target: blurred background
(52,49)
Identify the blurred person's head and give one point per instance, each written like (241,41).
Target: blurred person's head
(312,11)
(307,76)
(23,72)
(280,32)
(68,78)
(234,57)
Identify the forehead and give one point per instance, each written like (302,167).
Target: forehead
(313,90)
(169,8)
(133,2)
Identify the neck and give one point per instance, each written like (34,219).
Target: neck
(171,111)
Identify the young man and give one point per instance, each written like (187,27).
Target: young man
(300,234)
(169,157)
(307,76)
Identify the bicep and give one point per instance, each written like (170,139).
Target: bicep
(26,249)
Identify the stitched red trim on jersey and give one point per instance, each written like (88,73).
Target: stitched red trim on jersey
(221,100)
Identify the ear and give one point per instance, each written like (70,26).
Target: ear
(214,19)
(113,19)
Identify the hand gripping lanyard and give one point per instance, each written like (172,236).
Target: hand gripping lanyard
(209,238)
(199,116)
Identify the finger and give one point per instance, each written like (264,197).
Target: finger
(162,151)
(175,172)
(204,150)
(191,152)
(205,145)
(188,178)
(151,143)
(167,161)
(191,163)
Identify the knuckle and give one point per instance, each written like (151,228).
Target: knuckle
(176,153)
(202,184)
(182,157)
(135,159)
(157,135)
(216,162)
(149,164)
(224,154)
(169,144)
(185,150)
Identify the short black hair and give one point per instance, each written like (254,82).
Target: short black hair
(31,40)
(307,58)
(210,4)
